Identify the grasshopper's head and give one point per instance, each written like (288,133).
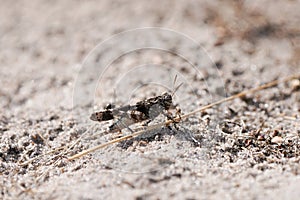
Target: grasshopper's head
(166,100)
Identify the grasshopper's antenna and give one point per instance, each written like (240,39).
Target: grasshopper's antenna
(177,87)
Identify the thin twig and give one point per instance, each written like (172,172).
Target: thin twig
(168,122)
(39,156)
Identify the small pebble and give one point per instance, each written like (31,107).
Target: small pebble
(295,84)
(277,140)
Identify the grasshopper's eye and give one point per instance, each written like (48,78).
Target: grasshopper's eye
(168,97)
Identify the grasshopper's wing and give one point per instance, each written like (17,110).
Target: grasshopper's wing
(128,118)
(124,109)
(110,114)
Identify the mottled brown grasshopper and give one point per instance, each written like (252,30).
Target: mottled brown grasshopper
(141,111)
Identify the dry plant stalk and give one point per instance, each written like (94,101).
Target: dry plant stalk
(177,119)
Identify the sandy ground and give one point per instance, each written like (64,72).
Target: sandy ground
(62,60)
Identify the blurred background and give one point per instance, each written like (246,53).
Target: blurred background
(43,43)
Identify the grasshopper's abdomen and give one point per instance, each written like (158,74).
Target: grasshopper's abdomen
(102,116)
